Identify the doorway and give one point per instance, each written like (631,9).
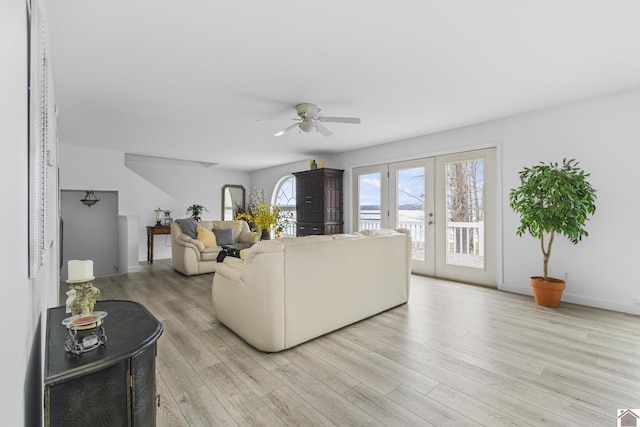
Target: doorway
(90,232)
(448,205)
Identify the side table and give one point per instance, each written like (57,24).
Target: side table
(152,230)
(112,385)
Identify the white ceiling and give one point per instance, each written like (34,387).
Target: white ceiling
(189,79)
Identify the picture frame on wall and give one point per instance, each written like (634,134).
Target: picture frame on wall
(38,142)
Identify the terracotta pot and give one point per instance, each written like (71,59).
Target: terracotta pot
(547,293)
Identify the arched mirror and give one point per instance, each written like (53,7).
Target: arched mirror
(233,201)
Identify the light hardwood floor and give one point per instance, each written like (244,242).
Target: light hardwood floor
(456,354)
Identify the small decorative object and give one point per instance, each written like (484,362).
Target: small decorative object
(552,199)
(86,332)
(314,165)
(310,164)
(320,164)
(159,215)
(195,211)
(167,217)
(80,277)
(71,294)
(84,326)
(90,199)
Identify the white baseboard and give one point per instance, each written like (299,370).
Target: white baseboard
(582,300)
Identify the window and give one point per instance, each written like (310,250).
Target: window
(285,199)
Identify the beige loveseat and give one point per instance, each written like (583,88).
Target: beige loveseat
(190,256)
(290,290)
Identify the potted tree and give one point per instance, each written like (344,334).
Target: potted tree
(552,199)
(195,211)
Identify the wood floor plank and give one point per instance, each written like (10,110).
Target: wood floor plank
(242,404)
(434,412)
(331,376)
(294,410)
(385,410)
(330,404)
(455,354)
(169,414)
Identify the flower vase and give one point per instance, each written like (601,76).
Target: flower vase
(266,234)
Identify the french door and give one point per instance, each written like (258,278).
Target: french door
(448,205)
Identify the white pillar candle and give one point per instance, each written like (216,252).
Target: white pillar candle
(80,270)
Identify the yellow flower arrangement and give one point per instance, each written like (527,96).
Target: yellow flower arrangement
(261,217)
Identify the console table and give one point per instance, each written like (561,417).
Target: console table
(152,230)
(113,385)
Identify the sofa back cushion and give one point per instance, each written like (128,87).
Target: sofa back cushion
(206,237)
(188,226)
(224,236)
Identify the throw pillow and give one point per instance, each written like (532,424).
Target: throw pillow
(188,226)
(206,237)
(224,236)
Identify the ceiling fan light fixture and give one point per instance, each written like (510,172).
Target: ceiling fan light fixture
(307,126)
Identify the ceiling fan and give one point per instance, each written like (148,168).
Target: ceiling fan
(309,121)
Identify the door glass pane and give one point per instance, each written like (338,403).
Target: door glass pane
(410,206)
(286,201)
(465,213)
(369,201)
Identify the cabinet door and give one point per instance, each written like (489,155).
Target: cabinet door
(98,399)
(303,197)
(143,393)
(315,189)
(333,198)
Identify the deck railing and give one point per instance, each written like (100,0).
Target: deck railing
(462,237)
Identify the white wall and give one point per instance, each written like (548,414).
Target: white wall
(24,300)
(143,187)
(602,134)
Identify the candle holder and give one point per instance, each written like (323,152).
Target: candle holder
(85,332)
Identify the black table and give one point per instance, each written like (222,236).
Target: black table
(113,385)
(234,250)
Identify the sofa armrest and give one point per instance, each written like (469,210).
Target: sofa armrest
(230,268)
(188,242)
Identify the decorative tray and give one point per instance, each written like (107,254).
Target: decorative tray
(83,320)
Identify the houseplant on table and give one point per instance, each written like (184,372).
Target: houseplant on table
(195,211)
(552,198)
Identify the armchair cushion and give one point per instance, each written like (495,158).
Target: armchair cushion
(188,226)
(224,236)
(206,237)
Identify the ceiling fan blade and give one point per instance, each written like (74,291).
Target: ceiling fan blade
(323,130)
(283,118)
(354,120)
(285,130)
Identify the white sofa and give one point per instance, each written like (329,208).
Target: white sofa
(290,290)
(190,256)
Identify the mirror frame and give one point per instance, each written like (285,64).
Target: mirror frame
(242,203)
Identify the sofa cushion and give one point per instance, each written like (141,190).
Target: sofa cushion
(198,244)
(188,226)
(305,240)
(246,236)
(206,237)
(224,236)
(210,254)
